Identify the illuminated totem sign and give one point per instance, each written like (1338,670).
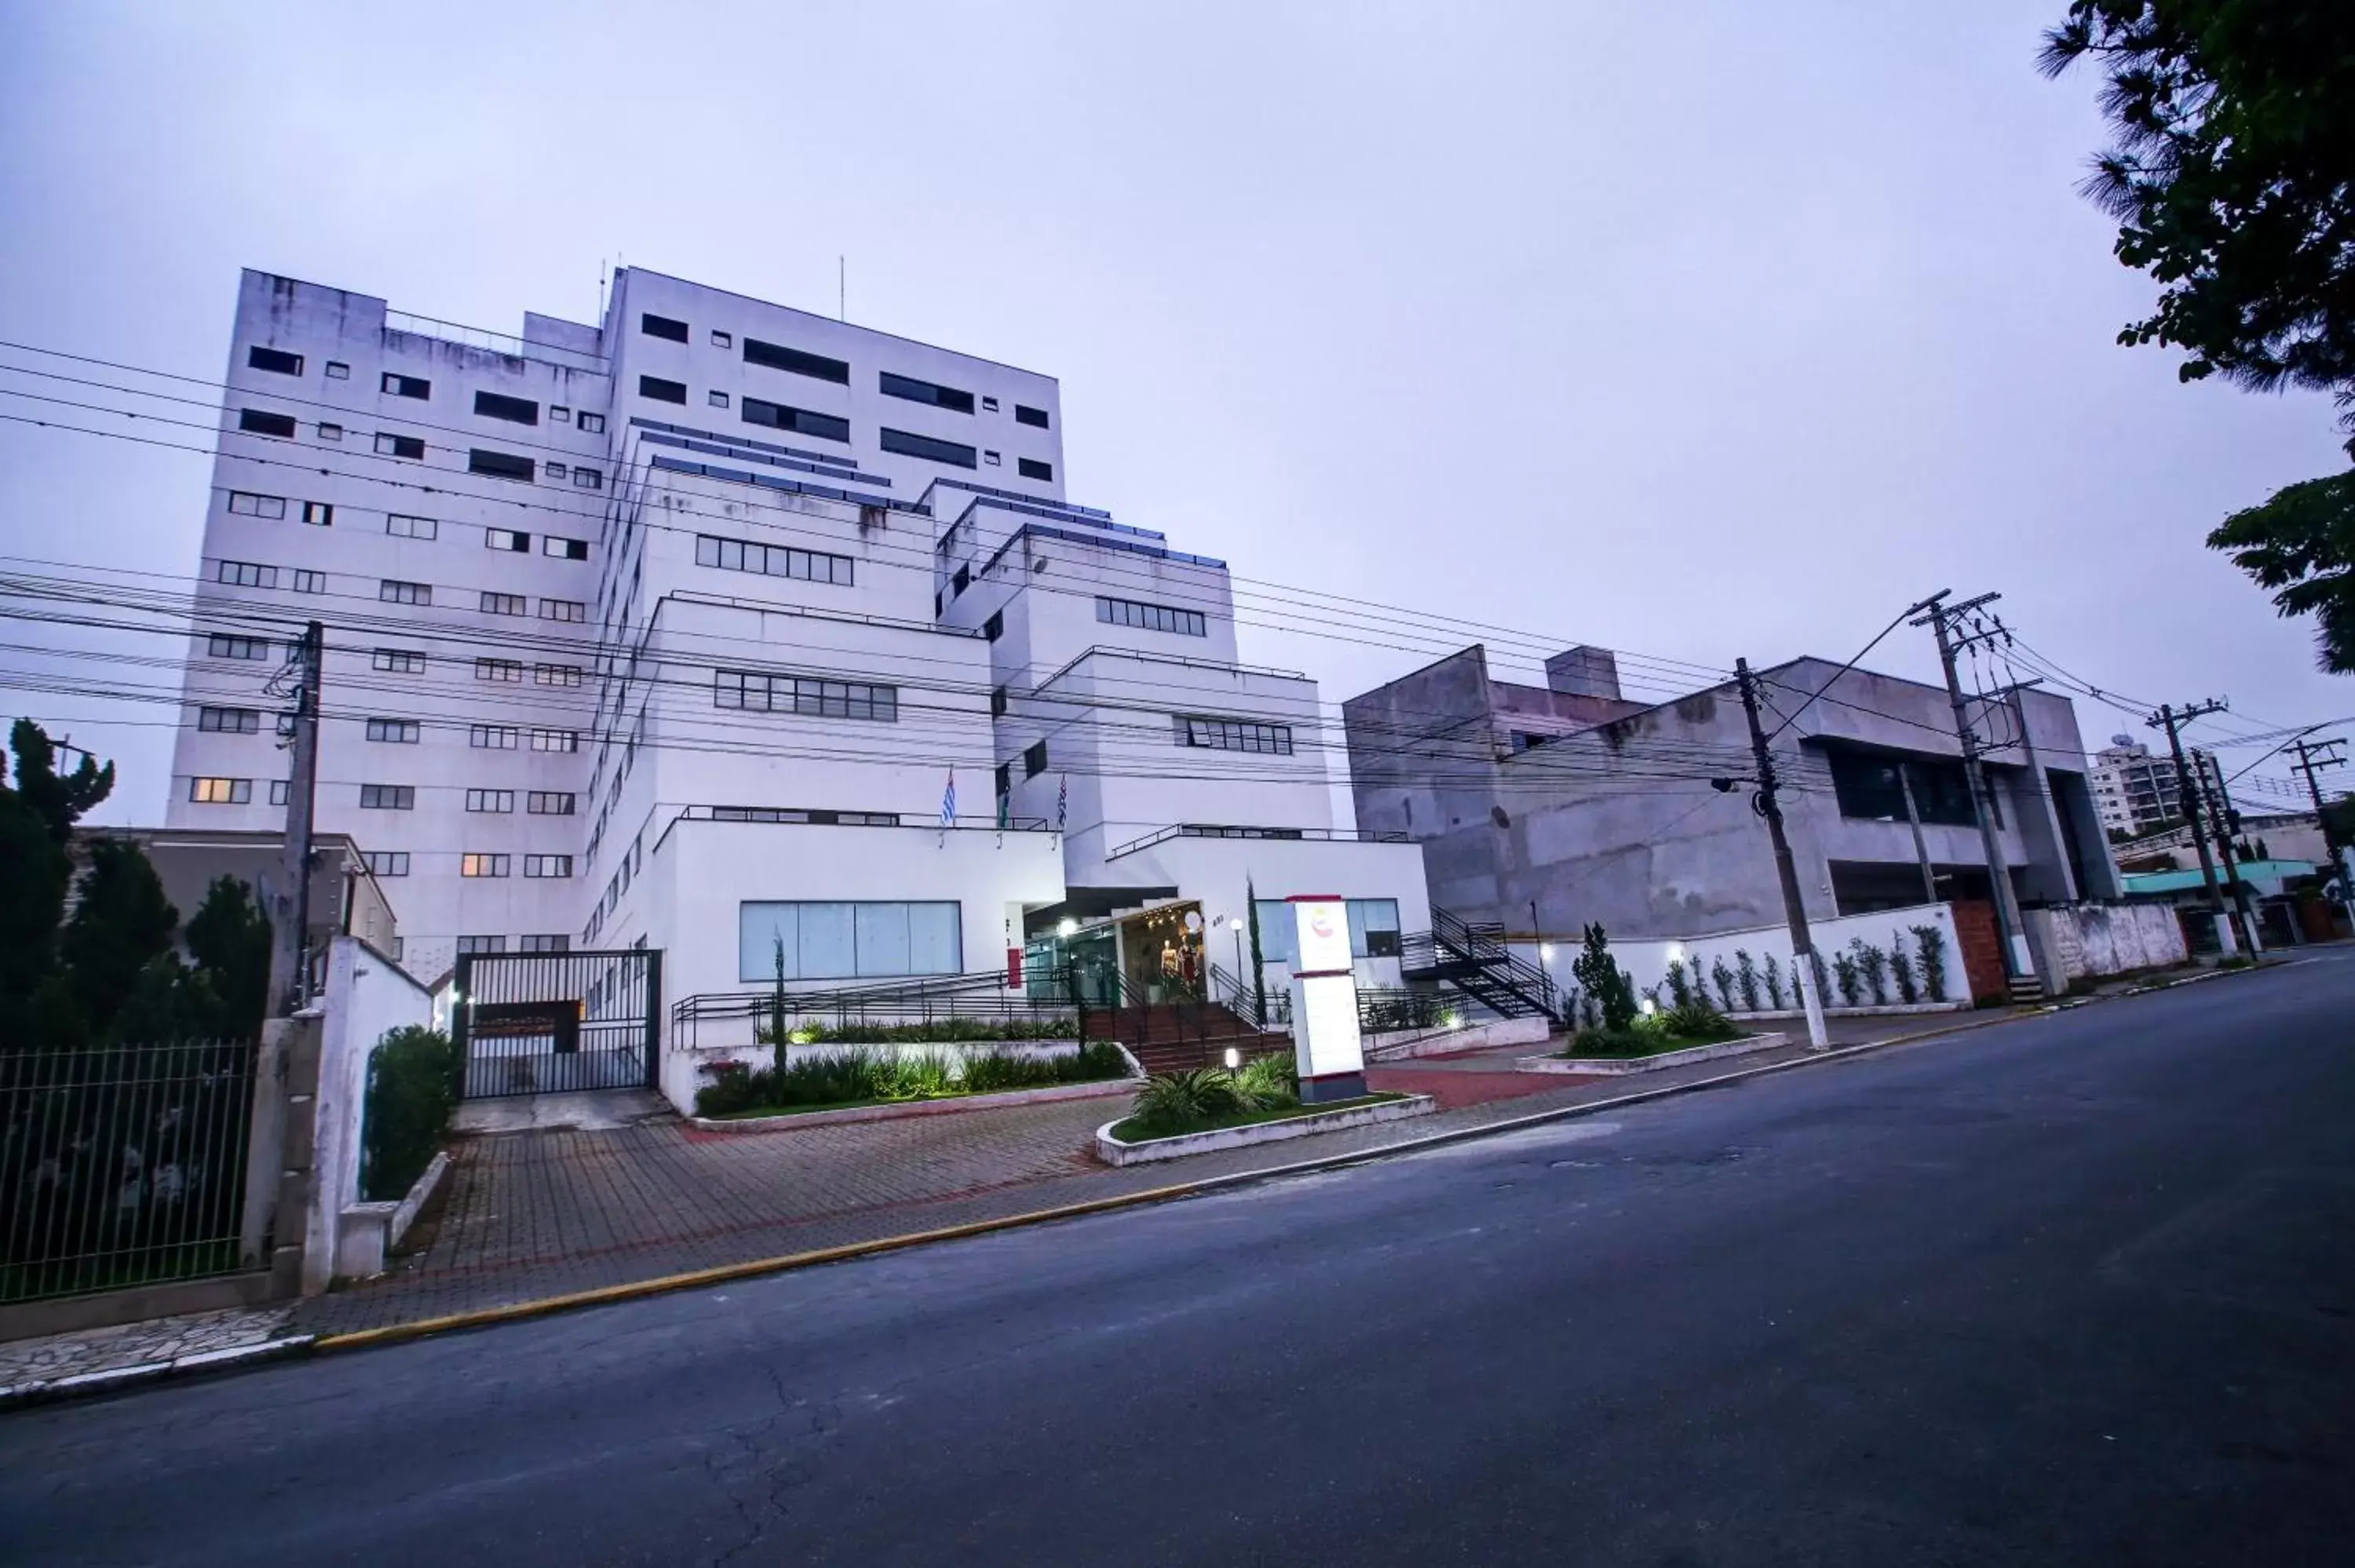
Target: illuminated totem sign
(1325,1040)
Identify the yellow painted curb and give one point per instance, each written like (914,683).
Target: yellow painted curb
(631,1290)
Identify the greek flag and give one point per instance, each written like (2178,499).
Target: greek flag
(1063,802)
(948,802)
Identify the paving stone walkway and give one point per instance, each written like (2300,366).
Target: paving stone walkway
(53,1359)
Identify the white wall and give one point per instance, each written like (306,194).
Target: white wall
(367,995)
(2082,940)
(1646,962)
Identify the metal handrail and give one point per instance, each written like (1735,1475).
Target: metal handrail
(410,325)
(1287,835)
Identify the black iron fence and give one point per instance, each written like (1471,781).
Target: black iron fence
(537,1023)
(120,1164)
(979,1001)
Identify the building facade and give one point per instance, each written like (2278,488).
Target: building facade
(736,632)
(2138,793)
(1543,809)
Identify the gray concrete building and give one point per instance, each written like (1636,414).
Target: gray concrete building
(1546,808)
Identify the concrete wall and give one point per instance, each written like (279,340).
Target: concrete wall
(367,996)
(1646,961)
(2083,941)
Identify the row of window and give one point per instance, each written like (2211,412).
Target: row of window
(470,947)
(1234,734)
(1151,617)
(772,560)
(846,940)
(412,449)
(393,590)
(389,798)
(534,865)
(819,367)
(798,694)
(491,405)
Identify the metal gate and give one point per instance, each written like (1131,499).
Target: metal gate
(544,1024)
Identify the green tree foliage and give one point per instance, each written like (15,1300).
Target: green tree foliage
(411,1090)
(228,937)
(1599,974)
(2232,176)
(2338,823)
(37,820)
(123,924)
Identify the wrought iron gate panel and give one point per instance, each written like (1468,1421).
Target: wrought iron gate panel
(542,1023)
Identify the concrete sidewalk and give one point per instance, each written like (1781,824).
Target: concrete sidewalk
(531,1215)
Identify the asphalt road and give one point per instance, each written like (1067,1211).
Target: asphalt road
(2076,1290)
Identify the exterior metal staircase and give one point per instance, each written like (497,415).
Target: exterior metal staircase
(1473,959)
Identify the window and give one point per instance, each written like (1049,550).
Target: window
(564,549)
(587,479)
(387,863)
(591,424)
(717,399)
(995,626)
(1868,785)
(388,797)
(553,472)
(515,410)
(989,404)
(275,360)
(492,736)
(499,669)
(1005,779)
(663,327)
(557,943)
(483,864)
(815,366)
(908,444)
(505,604)
(338,371)
(1373,930)
(401,732)
(916,391)
(548,865)
(229,721)
(556,674)
(1034,760)
(962,581)
(247,504)
(772,560)
(809,697)
(997,703)
(310,581)
(220,791)
(237,647)
(801,421)
(555,740)
(559,414)
(1151,617)
(393,591)
(399,661)
(318,513)
(848,941)
(245,574)
(507,539)
(662,391)
(990,459)
(721,340)
(472,947)
(405,527)
(394,385)
(1234,734)
(550,803)
(1031,468)
(258,422)
(278,790)
(329,431)
(390,445)
(563,610)
(490,800)
(1026,414)
(500,465)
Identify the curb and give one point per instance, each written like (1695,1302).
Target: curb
(392,1333)
(41,1391)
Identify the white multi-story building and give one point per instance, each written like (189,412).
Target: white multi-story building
(676,632)
(2136,792)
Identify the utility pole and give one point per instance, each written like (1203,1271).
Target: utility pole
(1803,952)
(2224,822)
(1939,617)
(2187,792)
(2312,757)
(1913,821)
(290,968)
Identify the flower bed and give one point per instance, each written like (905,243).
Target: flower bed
(861,1076)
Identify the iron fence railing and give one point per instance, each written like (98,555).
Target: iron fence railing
(712,1020)
(556,1022)
(120,1165)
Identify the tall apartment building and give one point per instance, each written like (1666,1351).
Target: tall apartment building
(736,632)
(2136,792)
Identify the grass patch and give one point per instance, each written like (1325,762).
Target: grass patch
(1138,1130)
(1625,1043)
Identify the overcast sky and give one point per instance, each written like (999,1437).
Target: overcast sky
(1699,331)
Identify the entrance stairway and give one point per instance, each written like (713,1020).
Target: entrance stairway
(1473,959)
